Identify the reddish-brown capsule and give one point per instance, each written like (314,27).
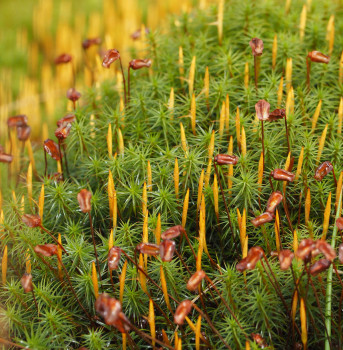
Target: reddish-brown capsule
(84,198)
(138,64)
(249,262)
(263,219)
(148,248)
(63,131)
(305,249)
(108,308)
(339,223)
(51,149)
(273,201)
(167,249)
(195,280)
(5,158)
(26,282)
(17,120)
(182,311)
(326,249)
(122,323)
(257,338)
(23,132)
(319,266)
(31,220)
(69,118)
(256,45)
(225,159)
(87,43)
(323,169)
(62,59)
(285,257)
(137,34)
(277,114)
(46,249)
(110,57)
(262,110)
(73,95)
(173,232)
(282,175)
(340,253)
(316,56)
(113,258)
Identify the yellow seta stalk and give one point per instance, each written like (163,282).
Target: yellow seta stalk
(303,323)
(59,167)
(242,227)
(185,209)
(171,103)
(340,116)
(181,65)
(274,52)
(326,220)
(201,240)
(120,143)
(144,200)
(22,204)
(338,189)
(211,145)
(198,333)
(145,236)
(216,196)
(288,161)
(208,172)
(29,183)
(246,75)
(124,338)
(193,114)
(243,143)
(238,129)
(239,221)
(176,178)
(302,24)
(109,141)
(277,231)
(151,321)
(191,76)
(220,17)
(176,340)
(316,115)
(290,102)
(227,113)
(247,345)
(260,173)
(41,202)
(122,282)
(165,289)
(321,143)
(200,188)
(4,266)
(95,280)
(115,209)
(288,74)
(142,277)
(294,307)
(280,93)
(149,176)
(330,33)
(288,6)
(183,139)
(222,120)
(307,206)
(300,164)
(110,240)
(158,229)
(110,191)
(27,261)
(207,87)
(295,241)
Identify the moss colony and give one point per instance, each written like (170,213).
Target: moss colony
(218,156)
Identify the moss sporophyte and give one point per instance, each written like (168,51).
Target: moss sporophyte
(178,211)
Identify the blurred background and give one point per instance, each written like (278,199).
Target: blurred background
(34,32)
